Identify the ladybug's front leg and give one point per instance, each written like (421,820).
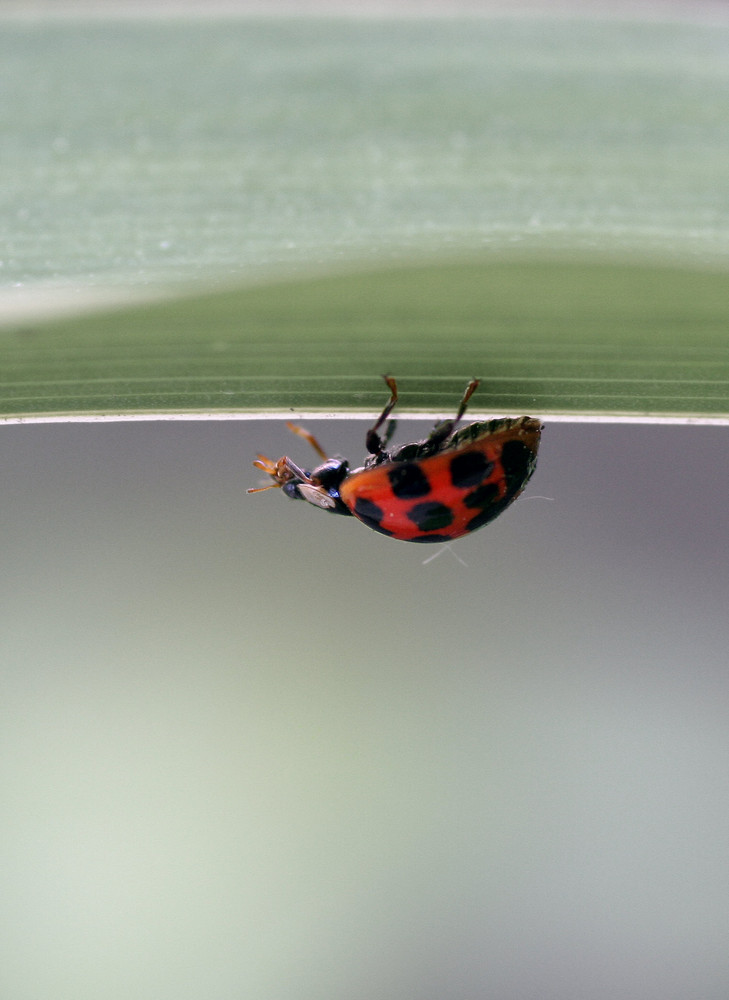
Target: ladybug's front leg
(373,441)
(308,436)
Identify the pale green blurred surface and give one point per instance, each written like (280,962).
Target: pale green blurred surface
(252,750)
(140,151)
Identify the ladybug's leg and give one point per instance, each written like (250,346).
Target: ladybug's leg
(307,436)
(373,441)
(470,389)
(389,431)
(441,432)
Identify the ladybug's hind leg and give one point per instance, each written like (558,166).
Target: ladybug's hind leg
(470,389)
(441,432)
(373,442)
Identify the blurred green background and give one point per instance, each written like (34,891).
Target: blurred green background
(139,150)
(250,750)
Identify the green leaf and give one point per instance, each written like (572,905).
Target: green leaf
(142,150)
(169,154)
(546,337)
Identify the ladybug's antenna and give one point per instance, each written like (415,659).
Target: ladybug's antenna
(260,489)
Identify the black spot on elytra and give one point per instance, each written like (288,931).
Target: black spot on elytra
(408,481)
(470,469)
(370,514)
(430,538)
(482,497)
(488,514)
(516,459)
(430,516)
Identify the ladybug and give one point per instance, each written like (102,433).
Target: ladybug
(433,490)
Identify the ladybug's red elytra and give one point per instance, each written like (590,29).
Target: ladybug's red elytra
(433,490)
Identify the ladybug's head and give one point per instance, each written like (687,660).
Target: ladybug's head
(320,487)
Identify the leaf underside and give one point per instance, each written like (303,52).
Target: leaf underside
(545,336)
